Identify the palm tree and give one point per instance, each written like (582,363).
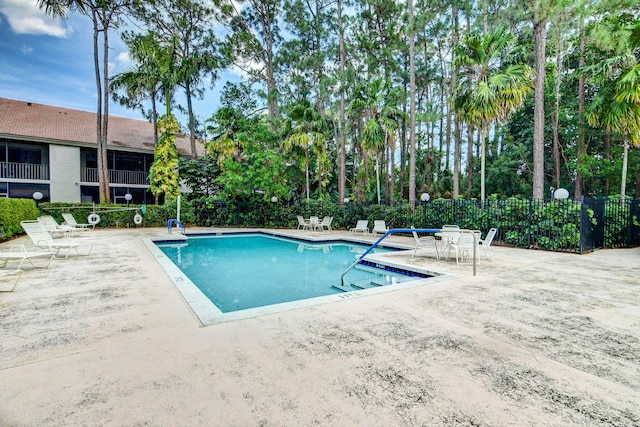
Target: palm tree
(143,81)
(378,106)
(489,92)
(306,131)
(616,107)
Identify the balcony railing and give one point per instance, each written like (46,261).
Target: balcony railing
(24,171)
(116,176)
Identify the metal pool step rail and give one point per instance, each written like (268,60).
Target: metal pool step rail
(409,230)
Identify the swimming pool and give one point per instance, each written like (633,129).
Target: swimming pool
(240,275)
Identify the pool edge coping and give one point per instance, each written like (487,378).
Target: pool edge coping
(207,313)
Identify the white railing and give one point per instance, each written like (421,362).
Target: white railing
(24,171)
(116,176)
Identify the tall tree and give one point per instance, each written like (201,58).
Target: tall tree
(377,105)
(142,81)
(306,131)
(616,106)
(253,43)
(188,24)
(489,91)
(412,106)
(106,15)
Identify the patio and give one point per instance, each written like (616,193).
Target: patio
(536,338)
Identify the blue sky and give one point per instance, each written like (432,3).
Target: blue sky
(49,61)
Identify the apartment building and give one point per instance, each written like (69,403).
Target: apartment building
(52,150)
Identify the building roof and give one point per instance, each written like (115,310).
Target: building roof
(37,122)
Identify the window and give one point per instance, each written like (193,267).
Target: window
(25,155)
(129,162)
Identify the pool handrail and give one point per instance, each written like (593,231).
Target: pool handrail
(410,230)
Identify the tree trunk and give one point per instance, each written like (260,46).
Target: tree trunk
(540,32)
(154,118)
(625,157)
(581,105)
(102,111)
(105,119)
(556,110)
(342,168)
(192,121)
(482,134)
(470,161)
(412,108)
(452,86)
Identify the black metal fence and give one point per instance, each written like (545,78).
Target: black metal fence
(557,225)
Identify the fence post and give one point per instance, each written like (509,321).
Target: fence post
(530,218)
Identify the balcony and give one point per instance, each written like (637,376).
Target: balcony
(116,176)
(28,171)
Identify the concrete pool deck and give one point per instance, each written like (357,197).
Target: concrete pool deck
(536,338)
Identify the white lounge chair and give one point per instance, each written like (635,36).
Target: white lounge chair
(42,239)
(326,222)
(379,227)
(423,242)
(70,220)
(8,273)
(21,255)
(52,226)
(486,243)
(362,225)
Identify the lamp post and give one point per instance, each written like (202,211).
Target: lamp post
(37,196)
(561,193)
(128,198)
(274,199)
(425,197)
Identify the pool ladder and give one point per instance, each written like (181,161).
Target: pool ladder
(406,230)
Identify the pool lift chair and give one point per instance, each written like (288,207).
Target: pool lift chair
(423,242)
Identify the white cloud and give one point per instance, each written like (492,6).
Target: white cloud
(26,18)
(27,49)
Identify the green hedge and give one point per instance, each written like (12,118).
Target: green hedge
(118,215)
(12,211)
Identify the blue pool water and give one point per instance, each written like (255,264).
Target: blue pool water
(238,272)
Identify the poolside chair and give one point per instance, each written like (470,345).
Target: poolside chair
(379,226)
(463,247)
(70,220)
(449,234)
(21,255)
(423,242)
(326,222)
(8,273)
(303,223)
(486,243)
(314,223)
(52,226)
(362,225)
(42,239)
